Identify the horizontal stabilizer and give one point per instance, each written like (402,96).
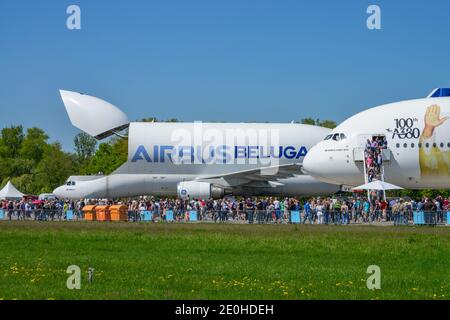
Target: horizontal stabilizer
(92,115)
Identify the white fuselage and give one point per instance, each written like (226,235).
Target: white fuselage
(131,185)
(418,141)
(161,155)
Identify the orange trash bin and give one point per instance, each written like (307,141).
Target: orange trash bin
(119,213)
(89,213)
(103,213)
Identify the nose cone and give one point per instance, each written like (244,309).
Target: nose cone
(317,165)
(58,192)
(311,162)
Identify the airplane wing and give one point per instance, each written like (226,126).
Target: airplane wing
(260,177)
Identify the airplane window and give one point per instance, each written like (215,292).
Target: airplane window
(412,145)
(336,137)
(343,136)
(398,145)
(448,145)
(442,144)
(68,183)
(405,145)
(427,145)
(434,144)
(420,144)
(73,183)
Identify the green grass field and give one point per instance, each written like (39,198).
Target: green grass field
(212,261)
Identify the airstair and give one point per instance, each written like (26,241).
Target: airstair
(372,169)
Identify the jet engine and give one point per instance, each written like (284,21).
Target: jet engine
(199,190)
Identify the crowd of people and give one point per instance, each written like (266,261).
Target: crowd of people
(374,158)
(29,209)
(327,210)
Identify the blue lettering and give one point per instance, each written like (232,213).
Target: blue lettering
(224,152)
(261,153)
(141,154)
(240,152)
(253,152)
(162,153)
(280,152)
(155,153)
(302,152)
(199,154)
(186,149)
(211,155)
(291,154)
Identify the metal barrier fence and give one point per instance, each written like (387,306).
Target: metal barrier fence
(245,216)
(34,214)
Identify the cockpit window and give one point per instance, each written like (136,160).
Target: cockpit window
(70,183)
(337,137)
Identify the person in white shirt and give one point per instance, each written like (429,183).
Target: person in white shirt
(319,211)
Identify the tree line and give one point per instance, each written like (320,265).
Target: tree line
(35,165)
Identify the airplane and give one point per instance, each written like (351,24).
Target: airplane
(194,160)
(417,153)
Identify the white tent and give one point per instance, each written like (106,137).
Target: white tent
(9,192)
(377,185)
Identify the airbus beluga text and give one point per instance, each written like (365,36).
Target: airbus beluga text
(417,154)
(196,160)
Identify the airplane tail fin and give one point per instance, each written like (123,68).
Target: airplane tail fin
(439,92)
(92,115)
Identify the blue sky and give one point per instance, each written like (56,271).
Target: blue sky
(218,60)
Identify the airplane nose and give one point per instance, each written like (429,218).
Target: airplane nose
(325,167)
(312,162)
(58,192)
